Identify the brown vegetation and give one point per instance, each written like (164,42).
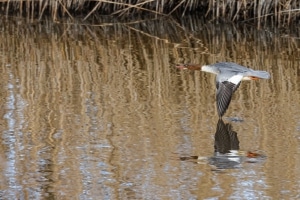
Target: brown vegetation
(279,12)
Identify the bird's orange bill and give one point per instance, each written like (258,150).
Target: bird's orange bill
(181,67)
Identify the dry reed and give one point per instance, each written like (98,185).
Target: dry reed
(279,12)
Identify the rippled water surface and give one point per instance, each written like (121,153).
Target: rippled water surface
(101,112)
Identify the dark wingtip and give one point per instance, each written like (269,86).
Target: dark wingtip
(221,112)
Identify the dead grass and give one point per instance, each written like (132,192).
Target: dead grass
(260,11)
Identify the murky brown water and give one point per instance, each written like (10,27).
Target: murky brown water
(102,113)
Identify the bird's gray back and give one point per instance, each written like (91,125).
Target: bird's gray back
(229,66)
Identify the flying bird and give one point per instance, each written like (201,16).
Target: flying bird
(228,79)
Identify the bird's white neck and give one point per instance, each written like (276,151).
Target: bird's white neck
(210,69)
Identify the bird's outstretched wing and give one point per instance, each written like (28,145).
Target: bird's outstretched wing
(225,91)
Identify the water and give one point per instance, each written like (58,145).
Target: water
(102,112)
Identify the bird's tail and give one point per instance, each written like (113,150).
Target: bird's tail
(260,74)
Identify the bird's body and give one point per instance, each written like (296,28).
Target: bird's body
(228,79)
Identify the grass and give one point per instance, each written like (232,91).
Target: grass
(260,11)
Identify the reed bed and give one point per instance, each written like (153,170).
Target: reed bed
(260,11)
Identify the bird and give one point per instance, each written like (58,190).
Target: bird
(228,79)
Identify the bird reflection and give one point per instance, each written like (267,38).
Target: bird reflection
(226,147)
(225,138)
(226,150)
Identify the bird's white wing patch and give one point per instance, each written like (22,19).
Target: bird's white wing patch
(235,79)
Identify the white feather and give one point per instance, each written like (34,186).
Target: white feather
(236,79)
(210,69)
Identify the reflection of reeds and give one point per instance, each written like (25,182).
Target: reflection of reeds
(119,48)
(281,12)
